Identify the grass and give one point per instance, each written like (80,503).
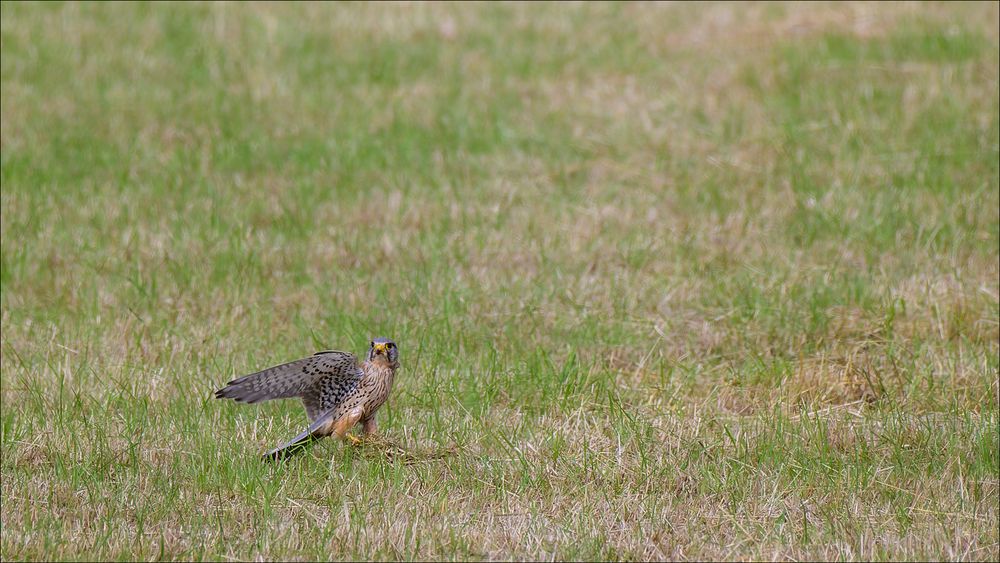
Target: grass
(669,281)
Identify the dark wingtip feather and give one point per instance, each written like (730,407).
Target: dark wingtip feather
(230,392)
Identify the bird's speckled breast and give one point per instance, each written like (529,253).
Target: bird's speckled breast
(376,384)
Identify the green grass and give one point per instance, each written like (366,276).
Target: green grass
(669,281)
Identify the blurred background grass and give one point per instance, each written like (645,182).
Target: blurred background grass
(626,250)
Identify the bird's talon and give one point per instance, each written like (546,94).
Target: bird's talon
(354,439)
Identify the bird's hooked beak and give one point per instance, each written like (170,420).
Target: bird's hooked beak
(380,348)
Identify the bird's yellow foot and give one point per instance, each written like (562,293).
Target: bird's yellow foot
(354,439)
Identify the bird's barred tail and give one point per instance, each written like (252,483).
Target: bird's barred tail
(318,429)
(296,445)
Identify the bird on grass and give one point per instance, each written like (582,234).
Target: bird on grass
(337,392)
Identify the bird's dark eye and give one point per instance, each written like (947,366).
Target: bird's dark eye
(371,344)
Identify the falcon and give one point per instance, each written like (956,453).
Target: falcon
(337,391)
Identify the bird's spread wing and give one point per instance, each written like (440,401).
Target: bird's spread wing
(302,378)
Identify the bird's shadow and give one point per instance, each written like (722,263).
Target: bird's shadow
(386,449)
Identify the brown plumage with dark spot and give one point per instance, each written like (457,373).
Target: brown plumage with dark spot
(336,391)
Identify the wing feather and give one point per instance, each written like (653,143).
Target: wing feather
(293,379)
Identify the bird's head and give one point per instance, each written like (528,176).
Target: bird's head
(383,349)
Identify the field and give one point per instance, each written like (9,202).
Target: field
(672,281)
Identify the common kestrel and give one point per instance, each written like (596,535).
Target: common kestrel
(336,391)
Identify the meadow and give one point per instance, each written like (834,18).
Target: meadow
(669,281)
